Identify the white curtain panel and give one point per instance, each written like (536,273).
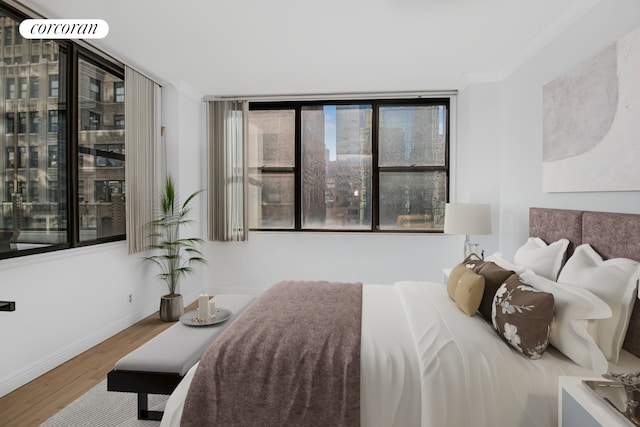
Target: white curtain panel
(227,134)
(145,164)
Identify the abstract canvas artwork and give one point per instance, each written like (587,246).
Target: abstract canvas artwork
(591,123)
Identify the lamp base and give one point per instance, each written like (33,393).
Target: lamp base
(469,247)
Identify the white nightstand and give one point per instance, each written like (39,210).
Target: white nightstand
(580,407)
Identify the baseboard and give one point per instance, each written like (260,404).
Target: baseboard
(13,382)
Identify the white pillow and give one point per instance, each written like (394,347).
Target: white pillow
(545,260)
(497,259)
(574,307)
(615,282)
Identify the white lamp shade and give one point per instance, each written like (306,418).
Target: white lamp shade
(467,218)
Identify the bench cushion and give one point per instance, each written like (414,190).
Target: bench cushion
(178,348)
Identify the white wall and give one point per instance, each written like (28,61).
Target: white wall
(69,301)
(268,258)
(520,122)
(66,302)
(183,114)
(475,159)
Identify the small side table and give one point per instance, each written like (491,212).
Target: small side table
(580,407)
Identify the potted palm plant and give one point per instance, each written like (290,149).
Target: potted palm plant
(174,255)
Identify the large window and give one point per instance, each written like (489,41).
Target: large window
(372,165)
(100,154)
(61,169)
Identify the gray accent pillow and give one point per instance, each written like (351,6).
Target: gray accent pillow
(494,277)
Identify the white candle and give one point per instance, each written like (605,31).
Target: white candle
(203,306)
(212,307)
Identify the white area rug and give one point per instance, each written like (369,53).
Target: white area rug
(101,408)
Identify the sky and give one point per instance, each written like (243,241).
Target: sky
(330,130)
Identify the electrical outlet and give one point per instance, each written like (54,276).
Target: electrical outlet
(7,305)
(130,298)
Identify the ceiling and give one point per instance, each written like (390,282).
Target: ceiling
(268,47)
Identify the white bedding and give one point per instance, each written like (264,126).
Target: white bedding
(424,362)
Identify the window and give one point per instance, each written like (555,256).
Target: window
(9,123)
(33,157)
(272,168)
(54,84)
(11,158)
(8,35)
(109,155)
(23,87)
(33,121)
(118,91)
(22,122)
(19,161)
(35,85)
(118,121)
(10,88)
(53,121)
(90,120)
(372,165)
(95,87)
(52,191)
(52,156)
(22,157)
(104,190)
(103,177)
(33,193)
(64,201)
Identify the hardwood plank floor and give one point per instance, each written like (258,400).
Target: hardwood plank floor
(37,401)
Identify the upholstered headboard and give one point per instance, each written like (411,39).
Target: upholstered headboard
(612,235)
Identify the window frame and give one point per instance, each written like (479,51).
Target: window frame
(67,88)
(447,100)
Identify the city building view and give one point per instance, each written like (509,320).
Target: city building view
(337,170)
(35,144)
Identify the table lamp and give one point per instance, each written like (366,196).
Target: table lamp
(467,218)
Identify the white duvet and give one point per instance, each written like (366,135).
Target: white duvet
(425,363)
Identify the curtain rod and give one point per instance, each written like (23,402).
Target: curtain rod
(334,96)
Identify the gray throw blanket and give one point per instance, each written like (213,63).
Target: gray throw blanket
(291,359)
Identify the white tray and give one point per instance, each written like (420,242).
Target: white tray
(188,318)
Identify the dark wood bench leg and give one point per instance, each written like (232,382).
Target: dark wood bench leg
(143,409)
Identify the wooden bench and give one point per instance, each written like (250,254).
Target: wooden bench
(157,366)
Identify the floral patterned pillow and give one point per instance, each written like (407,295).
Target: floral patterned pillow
(522,316)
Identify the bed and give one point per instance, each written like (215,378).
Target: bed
(424,362)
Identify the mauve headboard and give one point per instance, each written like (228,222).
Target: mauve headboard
(612,235)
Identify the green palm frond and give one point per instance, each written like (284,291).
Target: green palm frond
(176,254)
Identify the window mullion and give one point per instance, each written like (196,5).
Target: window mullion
(375,175)
(72,146)
(298,169)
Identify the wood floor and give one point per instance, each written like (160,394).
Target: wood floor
(40,399)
